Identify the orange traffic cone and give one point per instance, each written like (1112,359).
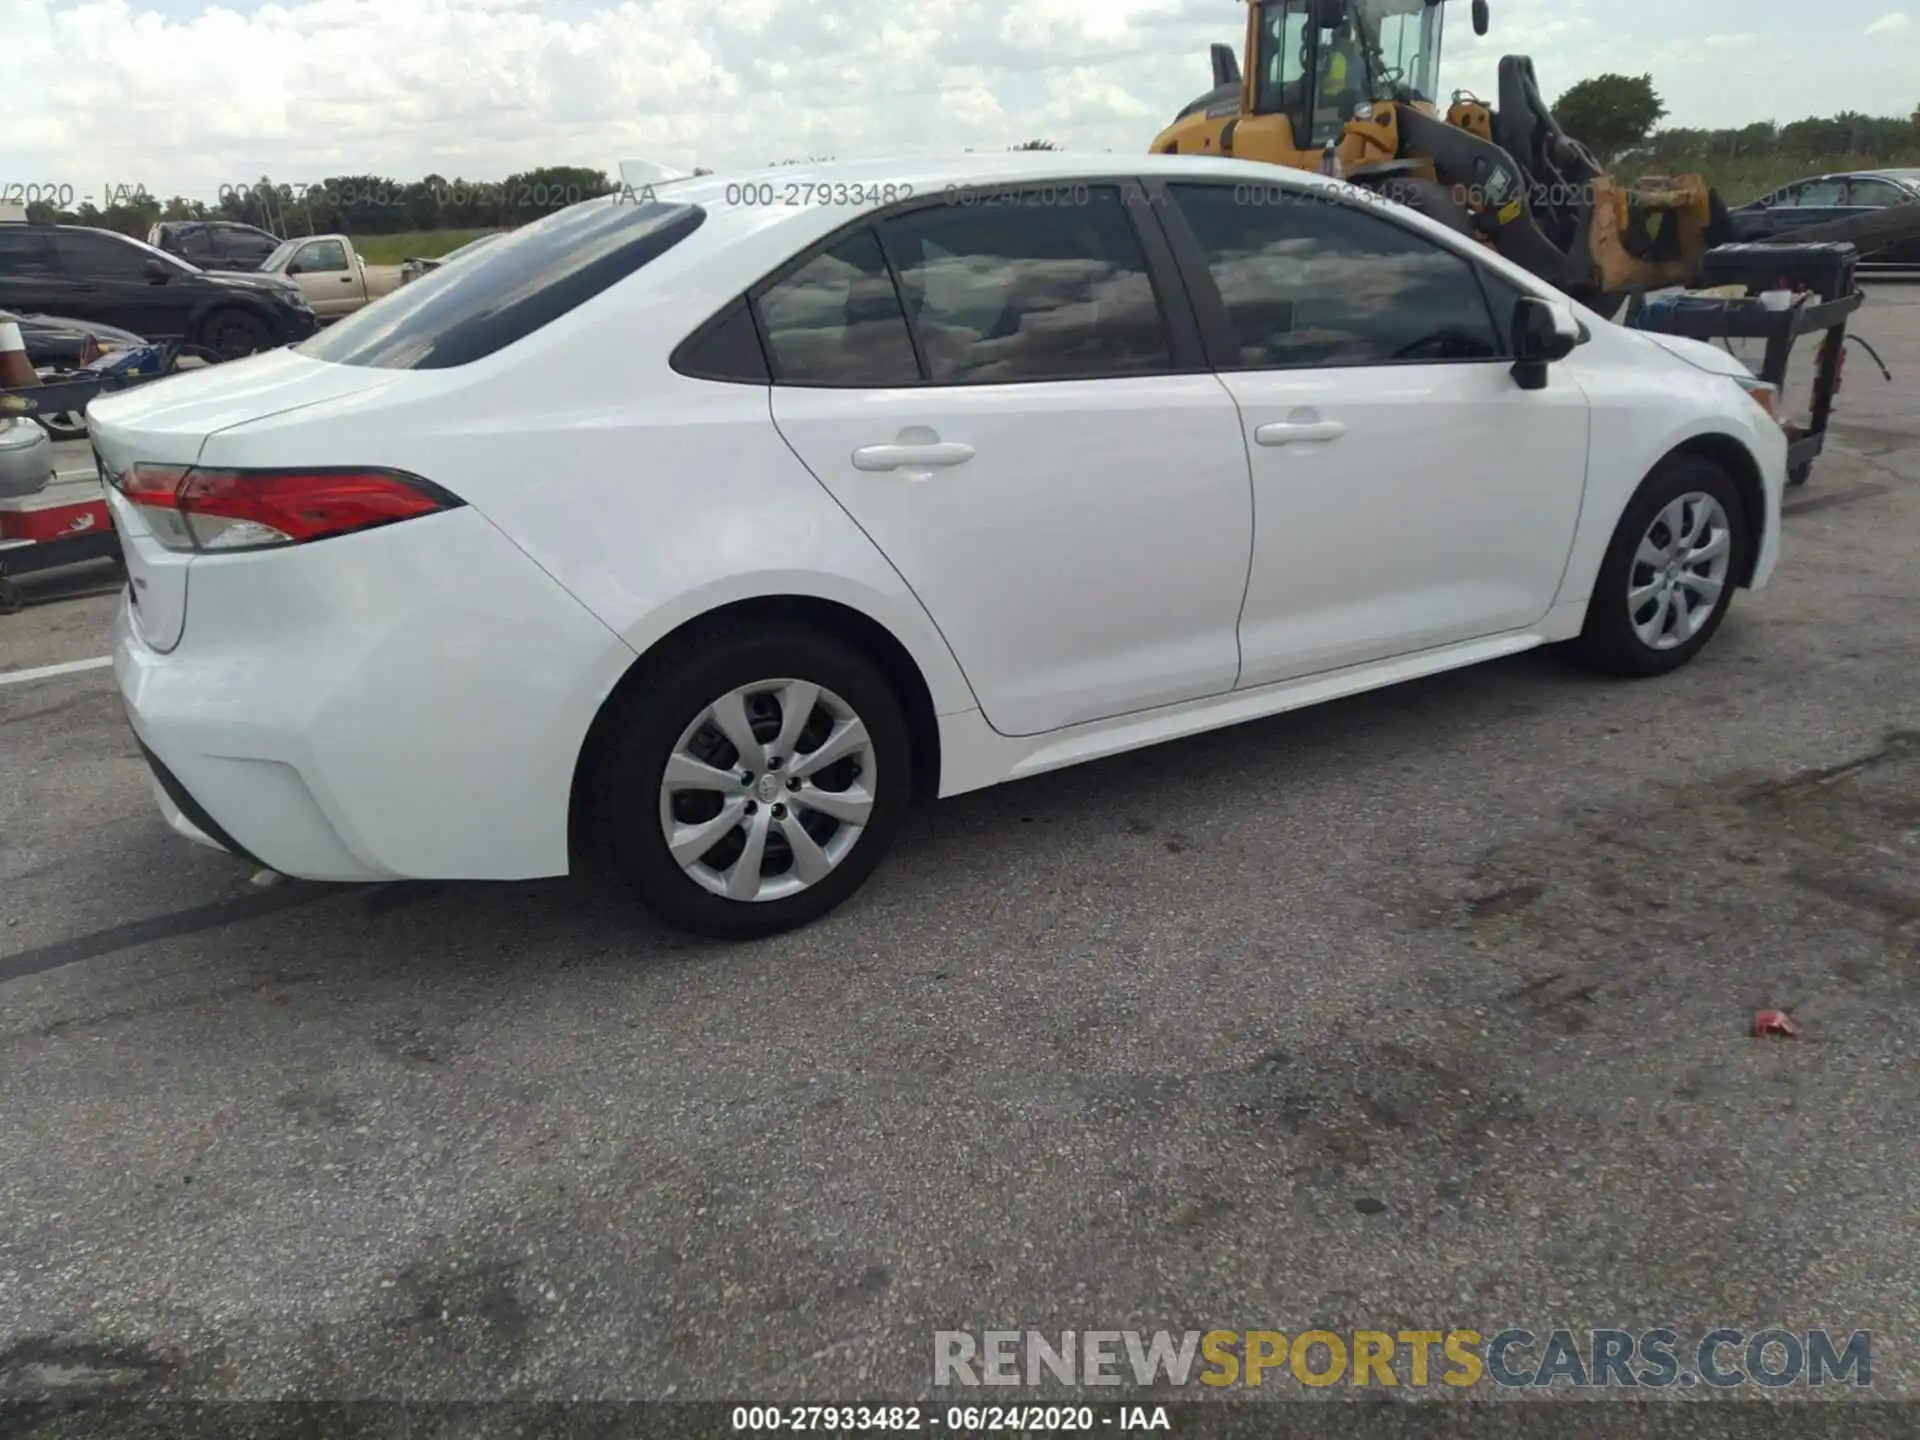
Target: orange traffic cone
(16,371)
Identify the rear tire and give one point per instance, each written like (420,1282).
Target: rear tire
(1667,579)
(803,830)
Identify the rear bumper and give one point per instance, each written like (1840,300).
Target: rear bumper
(407,703)
(185,814)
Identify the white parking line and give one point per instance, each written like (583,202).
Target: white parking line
(48,672)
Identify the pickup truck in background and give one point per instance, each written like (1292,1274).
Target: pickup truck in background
(331,274)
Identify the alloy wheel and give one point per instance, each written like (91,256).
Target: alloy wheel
(768,790)
(1679,571)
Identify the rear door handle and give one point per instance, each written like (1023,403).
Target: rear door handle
(931,455)
(1315,432)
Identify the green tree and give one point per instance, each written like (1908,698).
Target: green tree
(533,193)
(1034,145)
(1611,113)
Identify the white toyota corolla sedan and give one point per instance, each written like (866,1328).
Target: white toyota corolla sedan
(713,523)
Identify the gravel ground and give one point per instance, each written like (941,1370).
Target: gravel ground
(1428,1009)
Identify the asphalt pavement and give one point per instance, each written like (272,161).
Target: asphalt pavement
(1427,1009)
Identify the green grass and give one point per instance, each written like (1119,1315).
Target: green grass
(428,244)
(1751,176)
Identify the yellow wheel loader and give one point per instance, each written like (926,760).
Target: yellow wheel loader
(1348,87)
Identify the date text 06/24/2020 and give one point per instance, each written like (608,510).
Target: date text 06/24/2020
(953,1419)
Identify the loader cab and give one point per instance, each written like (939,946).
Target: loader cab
(1316,62)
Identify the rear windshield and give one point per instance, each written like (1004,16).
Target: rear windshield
(507,290)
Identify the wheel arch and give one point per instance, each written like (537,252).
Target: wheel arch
(853,626)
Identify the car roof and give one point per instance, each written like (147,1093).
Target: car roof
(762,217)
(1909,176)
(761,220)
(928,174)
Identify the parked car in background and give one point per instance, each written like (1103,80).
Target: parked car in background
(57,345)
(741,527)
(100,275)
(63,342)
(414,266)
(215,244)
(1820,199)
(331,274)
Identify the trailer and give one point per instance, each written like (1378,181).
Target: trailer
(1775,293)
(65,520)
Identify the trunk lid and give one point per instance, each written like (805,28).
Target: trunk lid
(168,422)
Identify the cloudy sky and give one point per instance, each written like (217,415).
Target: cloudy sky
(184,96)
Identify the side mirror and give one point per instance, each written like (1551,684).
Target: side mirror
(294,268)
(157,271)
(1542,334)
(1482,21)
(1226,66)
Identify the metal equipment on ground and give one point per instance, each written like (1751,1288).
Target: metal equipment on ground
(49,521)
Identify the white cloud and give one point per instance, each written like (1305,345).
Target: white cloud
(185,99)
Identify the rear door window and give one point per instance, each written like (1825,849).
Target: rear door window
(1030,286)
(245,247)
(100,255)
(26,251)
(837,321)
(461,313)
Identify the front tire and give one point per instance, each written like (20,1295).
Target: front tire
(753,785)
(1668,576)
(234,334)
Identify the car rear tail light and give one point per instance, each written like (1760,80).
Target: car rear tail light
(225,510)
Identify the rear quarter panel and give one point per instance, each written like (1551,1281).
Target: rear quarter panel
(652,498)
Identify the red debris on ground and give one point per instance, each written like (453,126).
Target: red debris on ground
(1774,1022)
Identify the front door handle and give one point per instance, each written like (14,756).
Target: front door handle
(1311,432)
(926,455)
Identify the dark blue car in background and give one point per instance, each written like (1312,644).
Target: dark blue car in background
(1819,199)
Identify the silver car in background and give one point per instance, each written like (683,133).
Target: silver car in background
(414,266)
